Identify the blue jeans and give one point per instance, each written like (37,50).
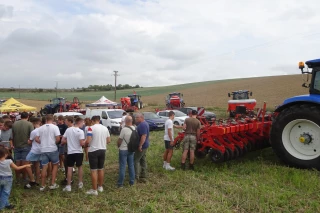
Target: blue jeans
(124,158)
(5,189)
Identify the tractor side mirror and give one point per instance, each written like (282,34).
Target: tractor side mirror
(229,95)
(250,93)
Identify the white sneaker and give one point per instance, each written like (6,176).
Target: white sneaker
(80,185)
(164,164)
(92,192)
(67,189)
(54,186)
(42,188)
(170,168)
(100,188)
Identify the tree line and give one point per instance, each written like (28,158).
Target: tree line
(109,87)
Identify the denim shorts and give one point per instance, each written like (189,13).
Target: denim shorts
(33,157)
(61,149)
(52,157)
(20,154)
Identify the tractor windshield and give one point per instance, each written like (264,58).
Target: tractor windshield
(240,96)
(115,114)
(150,115)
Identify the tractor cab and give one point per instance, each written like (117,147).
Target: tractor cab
(136,100)
(314,86)
(58,101)
(240,95)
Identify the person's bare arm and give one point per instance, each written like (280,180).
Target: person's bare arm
(58,139)
(63,140)
(108,140)
(119,142)
(37,139)
(142,141)
(170,136)
(89,139)
(198,134)
(82,142)
(29,142)
(15,167)
(178,126)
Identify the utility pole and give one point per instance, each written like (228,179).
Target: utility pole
(19,91)
(115,84)
(56,89)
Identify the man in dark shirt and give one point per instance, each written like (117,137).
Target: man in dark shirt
(62,127)
(140,161)
(192,134)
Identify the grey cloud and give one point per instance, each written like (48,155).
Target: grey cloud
(6,11)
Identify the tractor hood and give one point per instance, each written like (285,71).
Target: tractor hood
(313,98)
(303,98)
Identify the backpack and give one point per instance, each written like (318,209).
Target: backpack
(134,141)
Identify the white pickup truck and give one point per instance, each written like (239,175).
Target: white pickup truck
(110,118)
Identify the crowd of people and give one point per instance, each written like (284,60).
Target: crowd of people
(37,148)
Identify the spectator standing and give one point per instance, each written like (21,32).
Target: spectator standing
(74,138)
(6,178)
(98,137)
(62,128)
(168,141)
(122,122)
(48,136)
(6,135)
(35,152)
(140,161)
(124,155)
(21,133)
(87,123)
(192,134)
(69,123)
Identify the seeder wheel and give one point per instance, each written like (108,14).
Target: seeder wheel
(200,154)
(216,156)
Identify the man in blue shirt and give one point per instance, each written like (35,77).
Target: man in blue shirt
(140,161)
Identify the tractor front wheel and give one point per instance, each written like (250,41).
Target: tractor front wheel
(295,136)
(44,112)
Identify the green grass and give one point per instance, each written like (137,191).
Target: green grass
(86,96)
(257,182)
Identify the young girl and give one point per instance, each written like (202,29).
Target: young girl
(6,178)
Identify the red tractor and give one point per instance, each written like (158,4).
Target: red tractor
(241,104)
(174,101)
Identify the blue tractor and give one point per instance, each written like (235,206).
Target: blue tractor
(295,132)
(136,101)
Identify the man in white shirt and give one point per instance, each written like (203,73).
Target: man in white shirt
(123,123)
(74,137)
(97,138)
(48,136)
(124,155)
(168,141)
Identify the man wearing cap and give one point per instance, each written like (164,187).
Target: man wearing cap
(192,134)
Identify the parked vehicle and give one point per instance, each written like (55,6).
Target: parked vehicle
(155,121)
(210,116)
(179,117)
(64,114)
(110,118)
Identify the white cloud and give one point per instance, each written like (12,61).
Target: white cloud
(153,43)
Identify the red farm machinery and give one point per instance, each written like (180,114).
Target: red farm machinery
(174,101)
(131,103)
(229,139)
(241,103)
(62,105)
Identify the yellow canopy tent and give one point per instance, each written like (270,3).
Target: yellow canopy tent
(12,105)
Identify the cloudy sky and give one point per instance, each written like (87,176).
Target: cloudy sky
(153,42)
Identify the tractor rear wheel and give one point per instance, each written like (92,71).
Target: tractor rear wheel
(295,136)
